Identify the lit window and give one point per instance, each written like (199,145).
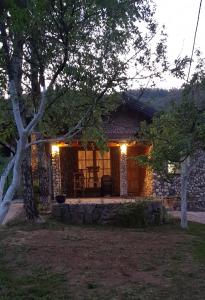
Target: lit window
(173,168)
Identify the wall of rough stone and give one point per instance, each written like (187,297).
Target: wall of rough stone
(196,186)
(56,174)
(123,174)
(148,183)
(102,214)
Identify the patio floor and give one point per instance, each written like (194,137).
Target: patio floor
(100,200)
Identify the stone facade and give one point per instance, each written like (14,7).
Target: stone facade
(123,174)
(196,186)
(56,174)
(148,183)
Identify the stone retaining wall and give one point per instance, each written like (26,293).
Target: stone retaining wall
(103,214)
(86,213)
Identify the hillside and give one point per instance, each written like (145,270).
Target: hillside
(159,99)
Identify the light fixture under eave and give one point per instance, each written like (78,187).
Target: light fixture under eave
(123,149)
(55,149)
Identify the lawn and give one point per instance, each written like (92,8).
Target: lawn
(56,261)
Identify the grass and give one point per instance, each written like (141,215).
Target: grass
(198,232)
(28,282)
(55,261)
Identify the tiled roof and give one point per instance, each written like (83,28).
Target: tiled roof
(125,121)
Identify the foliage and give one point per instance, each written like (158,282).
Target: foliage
(178,136)
(141,214)
(175,134)
(71,108)
(7,127)
(81,50)
(3,162)
(83,47)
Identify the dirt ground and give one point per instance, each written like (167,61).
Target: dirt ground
(109,263)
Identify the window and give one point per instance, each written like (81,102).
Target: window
(103,162)
(94,165)
(173,168)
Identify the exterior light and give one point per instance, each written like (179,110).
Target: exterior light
(123,149)
(55,149)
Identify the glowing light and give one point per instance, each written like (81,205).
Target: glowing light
(123,148)
(55,149)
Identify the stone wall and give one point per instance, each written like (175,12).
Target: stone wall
(148,183)
(101,214)
(56,174)
(123,174)
(196,186)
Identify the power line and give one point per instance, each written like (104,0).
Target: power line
(192,53)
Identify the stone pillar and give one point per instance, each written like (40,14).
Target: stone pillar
(56,170)
(123,171)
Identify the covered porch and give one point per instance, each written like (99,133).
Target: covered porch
(88,173)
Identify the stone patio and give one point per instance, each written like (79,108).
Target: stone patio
(100,200)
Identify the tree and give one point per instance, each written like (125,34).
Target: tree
(177,136)
(55,46)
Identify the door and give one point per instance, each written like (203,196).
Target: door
(94,165)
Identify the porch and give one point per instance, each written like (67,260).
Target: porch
(89,173)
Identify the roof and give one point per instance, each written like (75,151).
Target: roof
(124,123)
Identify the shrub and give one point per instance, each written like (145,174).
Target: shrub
(141,214)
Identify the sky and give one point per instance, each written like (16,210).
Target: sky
(179,18)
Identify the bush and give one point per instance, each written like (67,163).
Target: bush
(141,214)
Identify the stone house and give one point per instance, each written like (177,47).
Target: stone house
(79,172)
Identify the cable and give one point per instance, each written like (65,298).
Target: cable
(192,53)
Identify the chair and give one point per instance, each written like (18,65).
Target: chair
(79,183)
(93,176)
(106,185)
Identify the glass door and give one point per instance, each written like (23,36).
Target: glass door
(93,164)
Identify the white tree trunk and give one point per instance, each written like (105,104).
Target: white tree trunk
(5,203)
(21,144)
(184,184)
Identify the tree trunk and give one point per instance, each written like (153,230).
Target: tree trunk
(184,185)
(6,201)
(28,194)
(44,178)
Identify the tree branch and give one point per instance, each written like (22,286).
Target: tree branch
(40,113)
(15,106)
